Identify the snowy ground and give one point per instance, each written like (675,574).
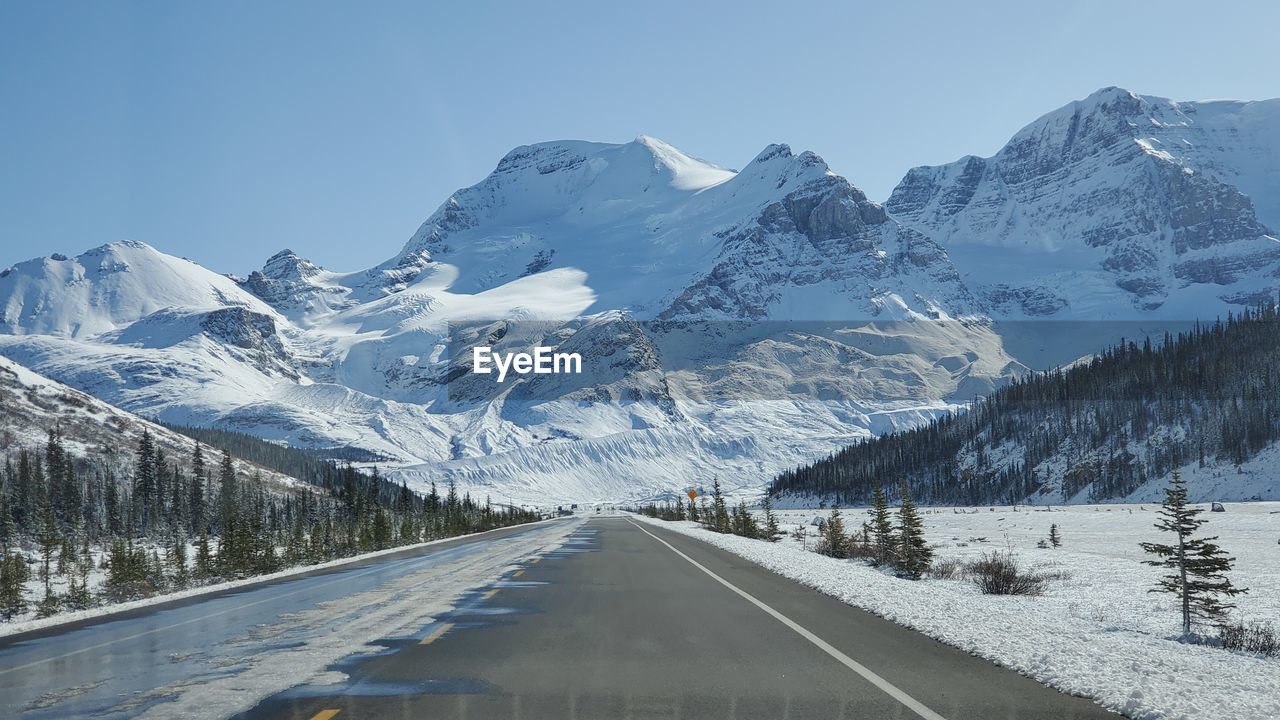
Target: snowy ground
(1096,631)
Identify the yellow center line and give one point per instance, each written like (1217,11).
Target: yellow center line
(436,634)
(326,714)
(517,573)
(534,560)
(489,595)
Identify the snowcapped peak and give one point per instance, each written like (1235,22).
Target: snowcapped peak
(1108,94)
(107,288)
(120,245)
(773,152)
(534,184)
(780,154)
(686,171)
(288,265)
(776,169)
(121,249)
(656,144)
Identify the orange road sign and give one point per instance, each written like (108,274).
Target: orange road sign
(693,494)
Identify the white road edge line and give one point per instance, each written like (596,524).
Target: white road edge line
(889,688)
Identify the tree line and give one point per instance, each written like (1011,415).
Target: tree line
(168,523)
(1134,412)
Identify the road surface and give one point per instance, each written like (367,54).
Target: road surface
(610,618)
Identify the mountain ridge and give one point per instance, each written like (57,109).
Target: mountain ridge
(722,306)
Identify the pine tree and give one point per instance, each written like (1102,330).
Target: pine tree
(178,559)
(914,556)
(49,541)
(14,575)
(834,542)
(144,483)
(744,524)
(883,542)
(116,585)
(1198,567)
(1055,538)
(380,533)
(204,558)
(720,516)
(155,578)
(196,491)
(227,495)
(772,532)
(8,527)
(78,595)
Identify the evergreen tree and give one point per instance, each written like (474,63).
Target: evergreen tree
(1055,538)
(227,495)
(204,558)
(144,484)
(178,560)
(914,556)
(1198,567)
(772,532)
(195,501)
(744,524)
(720,517)
(883,542)
(154,569)
(49,542)
(381,530)
(8,528)
(123,580)
(14,575)
(78,595)
(834,543)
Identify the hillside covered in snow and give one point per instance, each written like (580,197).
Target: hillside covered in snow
(1206,402)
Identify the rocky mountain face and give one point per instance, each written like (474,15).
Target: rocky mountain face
(732,323)
(1118,206)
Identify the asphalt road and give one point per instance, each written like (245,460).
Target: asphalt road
(139,662)
(630,621)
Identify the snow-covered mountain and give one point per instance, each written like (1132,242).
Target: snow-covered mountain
(715,309)
(1116,207)
(733,323)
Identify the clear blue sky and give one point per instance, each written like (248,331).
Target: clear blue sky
(226,131)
